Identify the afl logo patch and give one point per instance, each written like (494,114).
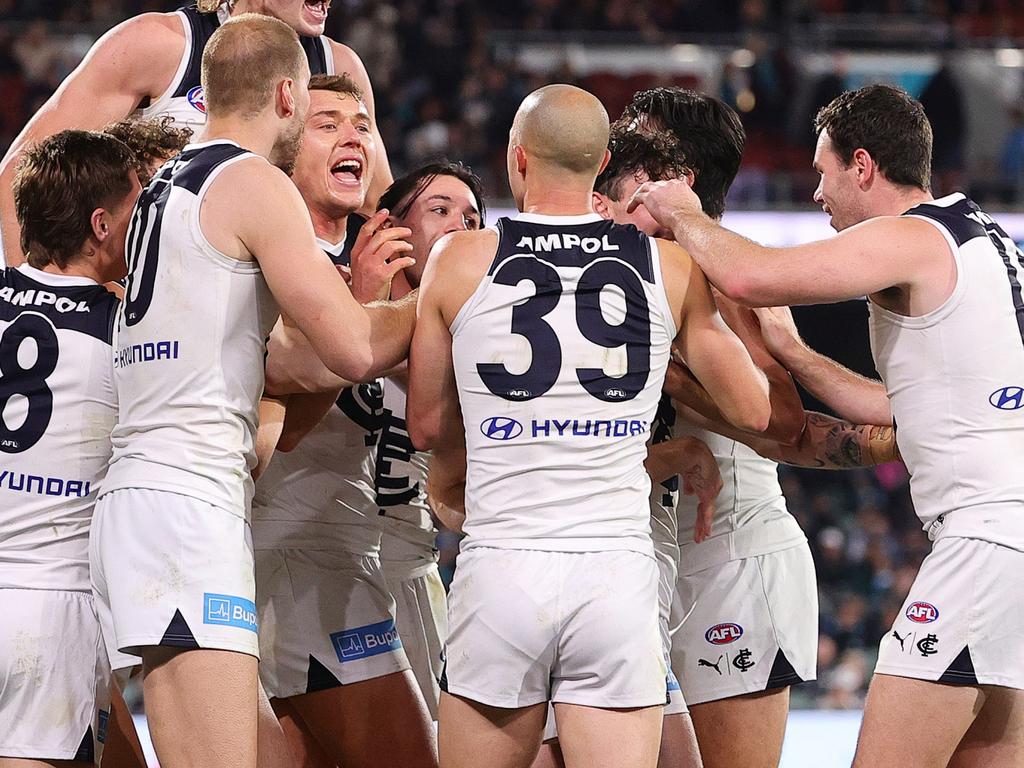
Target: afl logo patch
(196,98)
(1007,398)
(922,613)
(501,428)
(723,634)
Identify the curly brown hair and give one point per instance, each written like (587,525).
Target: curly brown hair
(152,141)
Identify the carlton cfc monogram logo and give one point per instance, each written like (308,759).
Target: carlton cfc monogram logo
(922,613)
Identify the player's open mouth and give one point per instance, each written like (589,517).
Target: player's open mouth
(348,171)
(317,9)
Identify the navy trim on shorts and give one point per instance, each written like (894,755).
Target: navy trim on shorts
(319,677)
(179,634)
(782,675)
(961,670)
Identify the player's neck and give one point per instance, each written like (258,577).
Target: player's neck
(554,200)
(79,268)
(400,286)
(249,6)
(253,135)
(329,228)
(899,200)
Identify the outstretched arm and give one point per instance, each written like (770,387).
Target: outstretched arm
(846,266)
(135,59)
(852,396)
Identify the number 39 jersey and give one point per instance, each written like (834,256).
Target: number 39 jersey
(560,357)
(191,341)
(57,408)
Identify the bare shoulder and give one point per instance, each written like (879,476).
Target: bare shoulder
(895,233)
(147,48)
(458,262)
(348,62)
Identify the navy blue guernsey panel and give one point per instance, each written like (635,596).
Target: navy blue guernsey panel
(956,218)
(352,227)
(574,245)
(205,24)
(88,309)
(199,163)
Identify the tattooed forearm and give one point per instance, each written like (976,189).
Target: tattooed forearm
(831,443)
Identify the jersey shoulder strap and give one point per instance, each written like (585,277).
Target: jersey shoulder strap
(193,167)
(88,309)
(954,214)
(202,26)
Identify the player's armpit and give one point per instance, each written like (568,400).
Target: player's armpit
(134,60)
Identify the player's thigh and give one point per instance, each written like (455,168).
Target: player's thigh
(679,743)
(381,721)
(996,737)
(549,755)
(592,737)
(54,677)
(471,734)
(21,762)
(914,723)
(122,748)
(201,706)
(306,750)
(743,730)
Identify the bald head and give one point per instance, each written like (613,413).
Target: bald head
(244,62)
(563,127)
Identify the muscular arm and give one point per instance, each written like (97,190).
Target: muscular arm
(134,60)
(346,60)
(877,254)
(356,343)
(831,443)
(712,352)
(852,396)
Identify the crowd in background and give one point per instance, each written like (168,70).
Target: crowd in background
(442,90)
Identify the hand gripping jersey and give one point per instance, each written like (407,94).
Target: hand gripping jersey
(183,100)
(191,343)
(955,379)
(399,491)
(316,496)
(560,357)
(57,407)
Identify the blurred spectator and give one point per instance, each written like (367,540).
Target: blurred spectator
(944,105)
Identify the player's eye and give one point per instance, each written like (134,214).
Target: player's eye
(440,210)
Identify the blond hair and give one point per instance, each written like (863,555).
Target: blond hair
(245,60)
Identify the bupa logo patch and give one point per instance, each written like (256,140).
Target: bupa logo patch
(197,98)
(723,634)
(229,611)
(1007,398)
(364,642)
(501,428)
(922,613)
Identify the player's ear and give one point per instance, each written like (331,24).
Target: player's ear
(689,177)
(600,203)
(604,162)
(285,97)
(100,223)
(520,154)
(865,167)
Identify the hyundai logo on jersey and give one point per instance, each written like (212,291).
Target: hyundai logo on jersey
(363,642)
(1007,398)
(723,634)
(922,613)
(197,99)
(230,611)
(501,428)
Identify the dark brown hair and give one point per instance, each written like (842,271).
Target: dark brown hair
(404,191)
(58,184)
(709,133)
(658,155)
(886,122)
